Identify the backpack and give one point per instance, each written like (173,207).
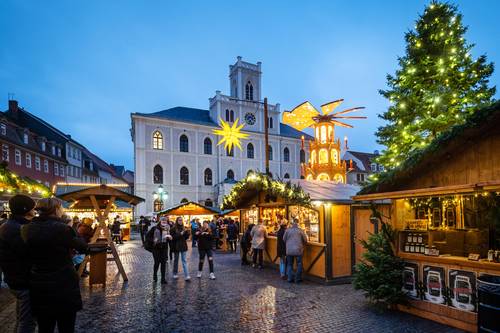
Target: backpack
(149,240)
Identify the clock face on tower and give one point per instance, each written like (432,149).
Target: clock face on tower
(250,118)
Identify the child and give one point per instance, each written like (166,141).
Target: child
(205,249)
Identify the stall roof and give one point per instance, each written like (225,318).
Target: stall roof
(81,199)
(189,208)
(327,190)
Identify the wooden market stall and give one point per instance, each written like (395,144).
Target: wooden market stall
(445,206)
(101,199)
(324,212)
(190,210)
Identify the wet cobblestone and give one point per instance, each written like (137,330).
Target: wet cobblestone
(241,299)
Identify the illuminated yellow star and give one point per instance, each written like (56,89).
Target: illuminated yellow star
(231,135)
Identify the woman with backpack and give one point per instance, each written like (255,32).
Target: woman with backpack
(204,236)
(245,243)
(179,236)
(160,248)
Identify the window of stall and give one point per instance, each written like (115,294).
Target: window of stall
(308,221)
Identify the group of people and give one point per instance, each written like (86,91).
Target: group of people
(290,247)
(37,250)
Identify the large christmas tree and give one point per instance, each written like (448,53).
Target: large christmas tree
(438,84)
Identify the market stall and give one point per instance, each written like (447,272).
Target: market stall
(323,209)
(189,211)
(445,206)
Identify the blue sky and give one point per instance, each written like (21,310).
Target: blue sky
(84,66)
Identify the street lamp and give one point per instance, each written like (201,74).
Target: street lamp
(160,194)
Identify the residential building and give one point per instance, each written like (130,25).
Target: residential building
(362,166)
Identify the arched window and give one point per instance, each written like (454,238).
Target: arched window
(302,156)
(323,176)
(249,91)
(227,114)
(157,174)
(270,122)
(313,156)
(184,176)
(230,174)
(157,205)
(230,151)
(250,151)
(207,146)
(338,178)
(157,140)
(286,154)
(184,200)
(323,156)
(335,157)
(208,176)
(270,153)
(231,116)
(209,203)
(286,176)
(184,143)
(323,134)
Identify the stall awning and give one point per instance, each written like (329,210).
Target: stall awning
(82,198)
(189,208)
(321,190)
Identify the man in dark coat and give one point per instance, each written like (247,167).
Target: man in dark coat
(232,235)
(15,261)
(281,248)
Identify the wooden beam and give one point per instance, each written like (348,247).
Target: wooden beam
(315,259)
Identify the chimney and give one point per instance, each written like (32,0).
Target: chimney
(13,105)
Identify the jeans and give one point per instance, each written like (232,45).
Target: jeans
(260,253)
(209,254)
(193,238)
(25,322)
(184,263)
(232,245)
(65,322)
(160,255)
(298,274)
(283,266)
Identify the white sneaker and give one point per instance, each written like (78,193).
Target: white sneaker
(188,278)
(198,275)
(212,276)
(175,276)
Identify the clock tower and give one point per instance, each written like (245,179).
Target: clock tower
(245,80)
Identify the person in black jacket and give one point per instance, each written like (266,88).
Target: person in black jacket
(281,248)
(116,230)
(204,237)
(15,261)
(179,237)
(54,285)
(160,248)
(232,235)
(245,244)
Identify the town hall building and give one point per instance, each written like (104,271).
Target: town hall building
(177,158)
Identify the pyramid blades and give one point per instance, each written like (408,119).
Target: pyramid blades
(328,108)
(301,116)
(341,124)
(349,110)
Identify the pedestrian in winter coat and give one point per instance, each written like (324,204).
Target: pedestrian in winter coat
(295,240)
(179,237)
(204,236)
(245,244)
(281,248)
(116,231)
(232,235)
(161,238)
(259,234)
(15,261)
(54,286)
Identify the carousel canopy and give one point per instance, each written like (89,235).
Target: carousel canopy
(81,199)
(189,208)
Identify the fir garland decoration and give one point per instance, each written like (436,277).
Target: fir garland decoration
(12,184)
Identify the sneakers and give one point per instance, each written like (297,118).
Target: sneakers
(175,276)
(188,278)
(212,276)
(198,275)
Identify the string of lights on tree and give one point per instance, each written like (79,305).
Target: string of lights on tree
(10,183)
(438,85)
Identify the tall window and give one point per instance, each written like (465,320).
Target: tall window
(44,146)
(18,156)
(157,174)
(184,176)
(157,205)
(184,143)
(28,160)
(249,91)
(227,114)
(61,170)
(208,176)
(270,153)
(231,116)
(250,151)
(230,151)
(53,150)
(207,146)
(209,203)
(157,140)
(3,129)
(56,169)
(302,156)
(286,155)
(37,164)
(184,200)
(230,174)
(270,123)
(46,167)
(5,153)
(25,138)
(286,176)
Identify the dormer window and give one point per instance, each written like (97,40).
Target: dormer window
(381,168)
(25,138)
(43,146)
(3,129)
(53,150)
(374,167)
(249,91)
(59,152)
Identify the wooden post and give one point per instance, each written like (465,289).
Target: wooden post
(266,134)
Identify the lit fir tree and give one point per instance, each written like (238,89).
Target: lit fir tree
(437,85)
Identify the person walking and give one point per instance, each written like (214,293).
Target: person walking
(54,285)
(204,236)
(15,261)
(232,235)
(259,234)
(213,228)
(160,248)
(116,231)
(179,237)
(171,241)
(142,221)
(295,239)
(281,248)
(245,244)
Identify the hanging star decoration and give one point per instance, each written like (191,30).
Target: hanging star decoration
(230,135)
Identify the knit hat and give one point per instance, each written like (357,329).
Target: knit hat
(21,204)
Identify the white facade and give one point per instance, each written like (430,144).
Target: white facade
(197,125)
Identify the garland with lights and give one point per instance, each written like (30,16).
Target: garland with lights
(11,183)
(257,182)
(438,85)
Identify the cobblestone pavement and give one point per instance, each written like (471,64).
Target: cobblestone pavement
(241,299)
